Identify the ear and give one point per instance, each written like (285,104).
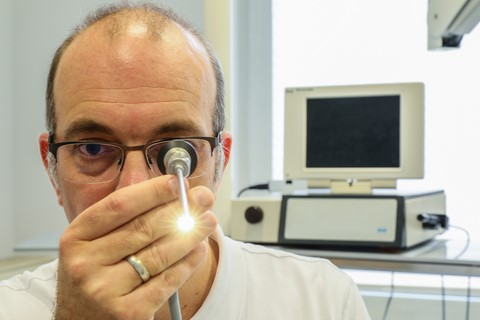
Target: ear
(227,147)
(43,144)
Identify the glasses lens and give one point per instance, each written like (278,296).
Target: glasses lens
(89,162)
(202,148)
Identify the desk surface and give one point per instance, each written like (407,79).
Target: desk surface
(443,255)
(448,254)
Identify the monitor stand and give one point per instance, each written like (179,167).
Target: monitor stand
(352,185)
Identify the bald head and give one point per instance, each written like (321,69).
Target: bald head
(112,24)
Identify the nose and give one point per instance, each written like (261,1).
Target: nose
(134,170)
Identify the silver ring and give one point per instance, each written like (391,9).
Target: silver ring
(138,265)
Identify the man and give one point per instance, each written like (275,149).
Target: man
(128,81)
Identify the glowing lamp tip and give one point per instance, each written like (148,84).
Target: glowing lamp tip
(185,223)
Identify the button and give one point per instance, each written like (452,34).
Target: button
(254,214)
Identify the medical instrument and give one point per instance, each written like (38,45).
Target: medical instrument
(178,157)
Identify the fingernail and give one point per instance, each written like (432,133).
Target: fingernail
(208,220)
(173,184)
(203,197)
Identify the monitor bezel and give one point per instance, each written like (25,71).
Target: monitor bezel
(412,110)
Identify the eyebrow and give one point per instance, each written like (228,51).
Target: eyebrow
(179,126)
(83,126)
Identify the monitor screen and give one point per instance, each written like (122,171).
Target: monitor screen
(353,132)
(365,132)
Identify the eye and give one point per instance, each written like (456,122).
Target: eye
(93,149)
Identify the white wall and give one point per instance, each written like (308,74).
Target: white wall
(38,29)
(252,93)
(6,129)
(218,30)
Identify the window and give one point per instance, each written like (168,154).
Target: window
(333,42)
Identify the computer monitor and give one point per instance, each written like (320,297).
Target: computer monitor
(356,137)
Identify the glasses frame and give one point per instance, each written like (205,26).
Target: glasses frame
(54,146)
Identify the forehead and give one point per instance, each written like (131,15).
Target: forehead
(132,71)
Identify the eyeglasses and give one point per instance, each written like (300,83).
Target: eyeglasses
(91,162)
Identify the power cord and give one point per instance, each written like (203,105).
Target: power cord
(467,242)
(262,186)
(278,186)
(469,288)
(465,248)
(444,224)
(390,298)
(443,297)
(469,295)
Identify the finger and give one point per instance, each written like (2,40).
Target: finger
(122,206)
(159,256)
(156,224)
(152,295)
(166,252)
(143,301)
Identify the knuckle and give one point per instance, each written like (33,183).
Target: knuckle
(77,266)
(97,290)
(125,311)
(170,280)
(143,230)
(203,196)
(208,223)
(74,269)
(161,188)
(159,296)
(65,243)
(160,258)
(195,257)
(211,219)
(119,203)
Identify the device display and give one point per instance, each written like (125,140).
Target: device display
(371,132)
(353,132)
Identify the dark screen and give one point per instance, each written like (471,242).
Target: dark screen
(354,132)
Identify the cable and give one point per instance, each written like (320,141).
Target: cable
(277,186)
(174,306)
(467,243)
(443,297)
(392,286)
(469,288)
(262,186)
(390,298)
(469,295)
(465,248)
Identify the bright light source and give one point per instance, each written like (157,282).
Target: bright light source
(185,223)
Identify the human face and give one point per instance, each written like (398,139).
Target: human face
(131,90)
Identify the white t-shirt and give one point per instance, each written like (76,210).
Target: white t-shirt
(252,282)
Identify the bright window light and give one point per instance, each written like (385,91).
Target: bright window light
(335,42)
